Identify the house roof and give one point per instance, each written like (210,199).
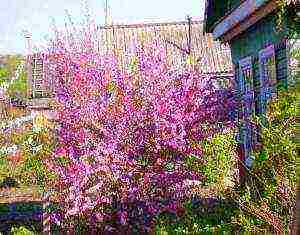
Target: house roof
(210,8)
(208,4)
(212,56)
(210,14)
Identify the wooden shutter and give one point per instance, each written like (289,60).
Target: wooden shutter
(267,76)
(246,89)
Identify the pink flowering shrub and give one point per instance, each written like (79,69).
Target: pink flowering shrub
(124,133)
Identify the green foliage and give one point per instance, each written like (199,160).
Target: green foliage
(277,131)
(4,167)
(61,160)
(19,88)
(35,147)
(211,216)
(201,217)
(249,224)
(36,151)
(4,73)
(28,207)
(4,208)
(21,231)
(272,178)
(219,154)
(295,53)
(287,19)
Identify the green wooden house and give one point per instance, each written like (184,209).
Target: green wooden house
(259,36)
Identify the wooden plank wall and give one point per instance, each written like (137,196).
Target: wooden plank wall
(256,38)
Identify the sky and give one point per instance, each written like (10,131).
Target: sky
(36,16)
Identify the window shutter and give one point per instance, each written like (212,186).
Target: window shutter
(267,78)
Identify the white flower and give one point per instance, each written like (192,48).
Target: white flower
(192,182)
(3,151)
(73,211)
(95,188)
(37,148)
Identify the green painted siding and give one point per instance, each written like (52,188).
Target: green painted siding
(256,38)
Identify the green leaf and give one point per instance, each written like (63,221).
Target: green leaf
(263,156)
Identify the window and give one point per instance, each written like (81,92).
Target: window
(38,88)
(38,94)
(267,76)
(246,87)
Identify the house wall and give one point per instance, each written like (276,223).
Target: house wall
(256,38)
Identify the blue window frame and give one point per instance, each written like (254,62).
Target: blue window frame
(267,76)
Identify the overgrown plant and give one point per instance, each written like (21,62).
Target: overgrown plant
(219,163)
(287,18)
(23,150)
(272,178)
(13,77)
(124,135)
(221,156)
(21,231)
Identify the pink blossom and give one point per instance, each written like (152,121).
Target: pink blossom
(125,123)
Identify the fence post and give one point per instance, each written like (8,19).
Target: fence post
(46,216)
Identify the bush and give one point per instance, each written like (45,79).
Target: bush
(271,181)
(23,152)
(21,231)
(124,136)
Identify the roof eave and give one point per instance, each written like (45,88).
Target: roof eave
(205,26)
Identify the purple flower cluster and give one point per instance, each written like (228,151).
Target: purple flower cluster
(126,133)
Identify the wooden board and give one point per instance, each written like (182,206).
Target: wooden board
(240,27)
(20,195)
